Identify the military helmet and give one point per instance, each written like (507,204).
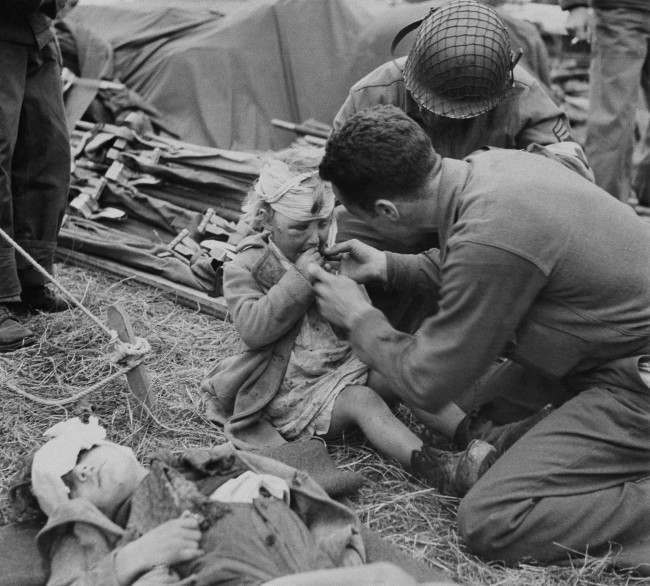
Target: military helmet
(460,65)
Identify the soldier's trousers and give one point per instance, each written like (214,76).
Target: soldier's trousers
(578,482)
(34,160)
(620,65)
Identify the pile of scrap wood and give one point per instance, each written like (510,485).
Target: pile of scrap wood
(155,208)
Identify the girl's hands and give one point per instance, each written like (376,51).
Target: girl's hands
(310,256)
(168,544)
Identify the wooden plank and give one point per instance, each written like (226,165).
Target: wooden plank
(137,377)
(182,294)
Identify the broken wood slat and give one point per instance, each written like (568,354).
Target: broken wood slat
(137,377)
(182,294)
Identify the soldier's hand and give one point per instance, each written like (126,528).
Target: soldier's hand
(338,298)
(578,24)
(357,260)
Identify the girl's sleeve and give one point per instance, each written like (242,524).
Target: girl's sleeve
(263,317)
(82,557)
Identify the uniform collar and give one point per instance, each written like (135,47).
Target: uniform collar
(454,175)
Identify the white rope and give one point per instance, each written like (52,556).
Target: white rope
(133,352)
(72,398)
(50,278)
(128,352)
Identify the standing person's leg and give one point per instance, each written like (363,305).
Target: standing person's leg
(41,171)
(642,179)
(576,483)
(618,54)
(13,64)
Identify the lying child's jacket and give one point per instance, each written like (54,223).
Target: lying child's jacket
(243,543)
(238,388)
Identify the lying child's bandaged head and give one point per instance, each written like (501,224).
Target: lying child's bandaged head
(293,204)
(78,462)
(106,475)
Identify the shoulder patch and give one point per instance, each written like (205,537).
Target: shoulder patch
(561,130)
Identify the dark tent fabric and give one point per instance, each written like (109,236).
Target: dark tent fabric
(375,41)
(220,74)
(220,78)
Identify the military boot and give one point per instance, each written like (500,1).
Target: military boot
(453,473)
(474,427)
(13,334)
(41,298)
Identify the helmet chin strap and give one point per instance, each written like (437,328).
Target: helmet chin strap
(403,32)
(514,59)
(515,56)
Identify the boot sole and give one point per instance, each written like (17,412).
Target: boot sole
(10,347)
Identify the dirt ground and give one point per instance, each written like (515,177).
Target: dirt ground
(70,356)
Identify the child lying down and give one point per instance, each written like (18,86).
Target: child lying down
(294,372)
(214,516)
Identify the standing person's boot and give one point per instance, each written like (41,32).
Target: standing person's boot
(13,334)
(41,298)
(475,427)
(453,473)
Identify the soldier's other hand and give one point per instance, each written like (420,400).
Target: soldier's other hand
(338,298)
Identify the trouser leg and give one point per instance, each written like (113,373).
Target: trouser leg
(577,482)
(13,64)
(642,179)
(618,54)
(41,164)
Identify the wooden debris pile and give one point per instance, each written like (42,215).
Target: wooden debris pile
(151,204)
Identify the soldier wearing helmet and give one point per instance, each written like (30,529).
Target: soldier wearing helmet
(462,85)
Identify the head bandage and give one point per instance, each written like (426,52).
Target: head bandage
(59,456)
(301,197)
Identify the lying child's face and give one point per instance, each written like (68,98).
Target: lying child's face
(294,237)
(106,475)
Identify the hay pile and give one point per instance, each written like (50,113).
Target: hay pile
(69,357)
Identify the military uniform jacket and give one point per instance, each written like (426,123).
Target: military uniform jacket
(526,116)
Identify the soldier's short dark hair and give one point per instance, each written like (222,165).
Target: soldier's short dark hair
(378,152)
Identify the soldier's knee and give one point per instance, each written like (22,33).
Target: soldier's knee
(485,529)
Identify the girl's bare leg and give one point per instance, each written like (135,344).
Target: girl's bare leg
(445,420)
(360,405)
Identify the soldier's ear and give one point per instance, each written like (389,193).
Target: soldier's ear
(386,209)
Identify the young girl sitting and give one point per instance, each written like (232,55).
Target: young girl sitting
(294,374)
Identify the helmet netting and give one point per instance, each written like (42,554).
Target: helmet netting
(460,63)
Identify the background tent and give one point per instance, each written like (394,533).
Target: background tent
(221,74)
(220,71)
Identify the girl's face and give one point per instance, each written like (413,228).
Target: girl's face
(106,475)
(294,237)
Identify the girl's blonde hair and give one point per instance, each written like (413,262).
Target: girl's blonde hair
(300,160)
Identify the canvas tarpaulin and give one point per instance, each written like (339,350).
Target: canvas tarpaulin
(220,75)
